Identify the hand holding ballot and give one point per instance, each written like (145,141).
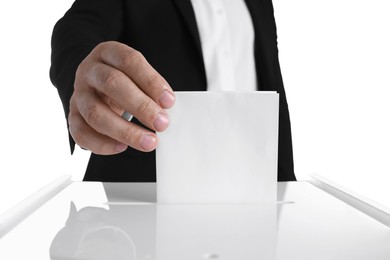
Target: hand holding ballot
(112,79)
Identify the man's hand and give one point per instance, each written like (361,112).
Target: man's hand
(112,79)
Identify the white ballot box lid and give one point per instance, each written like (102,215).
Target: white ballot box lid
(91,220)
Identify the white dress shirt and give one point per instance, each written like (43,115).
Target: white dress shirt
(227,39)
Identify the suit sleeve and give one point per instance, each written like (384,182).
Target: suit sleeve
(86,24)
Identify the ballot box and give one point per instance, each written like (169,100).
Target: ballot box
(92,220)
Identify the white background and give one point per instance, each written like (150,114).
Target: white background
(335,60)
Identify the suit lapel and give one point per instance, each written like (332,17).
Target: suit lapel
(254,8)
(261,12)
(188,15)
(266,51)
(262,18)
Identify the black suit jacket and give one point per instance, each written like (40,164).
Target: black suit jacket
(165,32)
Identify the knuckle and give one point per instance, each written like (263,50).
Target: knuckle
(128,134)
(79,73)
(72,103)
(112,81)
(131,57)
(93,113)
(85,70)
(153,81)
(145,108)
(101,46)
(76,131)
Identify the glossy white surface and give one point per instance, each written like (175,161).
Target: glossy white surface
(79,224)
(15,215)
(369,207)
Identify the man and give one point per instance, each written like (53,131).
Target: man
(112,56)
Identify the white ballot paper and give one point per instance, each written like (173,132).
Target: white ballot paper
(220,147)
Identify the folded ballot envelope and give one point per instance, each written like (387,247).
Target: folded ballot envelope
(220,147)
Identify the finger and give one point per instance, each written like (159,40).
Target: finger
(125,93)
(101,118)
(89,139)
(134,65)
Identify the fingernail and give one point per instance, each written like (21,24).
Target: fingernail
(167,99)
(161,122)
(120,147)
(148,142)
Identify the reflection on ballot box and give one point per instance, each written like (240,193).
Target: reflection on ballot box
(151,231)
(216,231)
(121,232)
